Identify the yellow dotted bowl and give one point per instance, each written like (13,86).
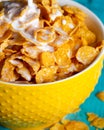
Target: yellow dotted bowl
(33,107)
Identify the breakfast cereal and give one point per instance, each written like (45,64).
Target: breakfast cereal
(70,125)
(96,121)
(100,95)
(41,41)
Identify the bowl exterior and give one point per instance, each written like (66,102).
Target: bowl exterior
(41,106)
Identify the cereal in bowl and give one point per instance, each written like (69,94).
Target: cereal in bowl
(41,41)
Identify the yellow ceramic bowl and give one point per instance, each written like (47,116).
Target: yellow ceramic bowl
(39,106)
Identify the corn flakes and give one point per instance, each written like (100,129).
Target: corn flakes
(70,125)
(65,23)
(41,41)
(76,13)
(57,126)
(87,34)
(46,74)
(63,54)
(76,125)
(9,52)
(86,54)
(7,73)
(96,121)
(30,51)
(6,36)
(2,56)
(45,35)
(3,28)
(35,65)
(47,59)
(21,69)
(100,95)
(3,46)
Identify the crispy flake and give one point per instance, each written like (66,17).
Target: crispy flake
(45,35)
(30,51)
(35,65)
(47,59)
(70,125)
(100,95)
(96,121)
(57,126)
(7,72)
(76,125)
(46,74)
(21,69)
(86,54)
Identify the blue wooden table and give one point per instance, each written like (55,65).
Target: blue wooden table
(92,104)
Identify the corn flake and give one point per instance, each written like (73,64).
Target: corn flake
(24,72)
(9,52)
(63,54)
(6,36)
(7,73)
(96,121)
(86,54)
(70,125)
(73,11)
(3,28)
(45,35)
(2,56)
(46,74)
(57,126)
(30,51)
(67,69)
(76,125)
(100,95)
(65,23)
(35,65)
(21,69)
(87,34)
(47,59)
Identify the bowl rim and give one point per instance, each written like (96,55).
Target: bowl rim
(75,75)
